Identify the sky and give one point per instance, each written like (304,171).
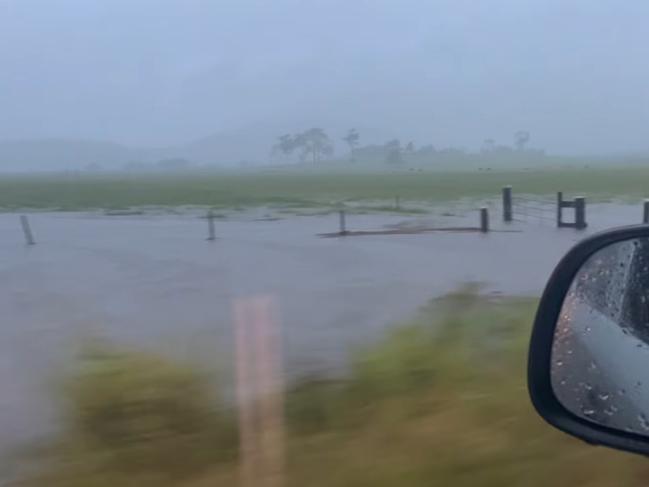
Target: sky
(446,72)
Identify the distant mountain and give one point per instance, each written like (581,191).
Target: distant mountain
(60,154)
(251,144)
(226,149)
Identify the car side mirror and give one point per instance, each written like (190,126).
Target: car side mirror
(588,370)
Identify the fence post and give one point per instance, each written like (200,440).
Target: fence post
(645,213)
(259,392)
(210,226)
(343,226)
(580,213)
(484,219)
(507,204)
(29,237)
(559,209)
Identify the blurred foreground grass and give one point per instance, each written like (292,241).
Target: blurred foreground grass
(440,400)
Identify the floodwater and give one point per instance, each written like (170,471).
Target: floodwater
(156,281)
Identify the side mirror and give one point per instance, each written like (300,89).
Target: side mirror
(588,370)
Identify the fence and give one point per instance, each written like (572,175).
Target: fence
(579,205)
(515,208)
(546,210)
(540,210)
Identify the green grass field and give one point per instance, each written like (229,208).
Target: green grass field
(308,189)
(440,400)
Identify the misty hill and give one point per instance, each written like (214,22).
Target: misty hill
(250,144)
(59,154)
(223,149)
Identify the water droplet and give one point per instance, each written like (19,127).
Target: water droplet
(559,363)
(604,396)
(622,392)
(592,366)
(638,385)
(611,410)
(586,386)
(644,422)
(588,411)
(588,329)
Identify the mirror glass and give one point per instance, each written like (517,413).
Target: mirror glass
(600,354)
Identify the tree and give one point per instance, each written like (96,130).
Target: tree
(315,143)
(352,139)
(521,138)
(393,152)
(410,147)
(285,145)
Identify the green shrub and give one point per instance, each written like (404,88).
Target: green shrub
(138,416)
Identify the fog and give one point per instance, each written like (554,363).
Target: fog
(164,73)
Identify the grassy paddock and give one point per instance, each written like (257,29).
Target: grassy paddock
(440,400)
(307,189)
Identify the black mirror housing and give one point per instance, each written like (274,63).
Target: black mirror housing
(540,383)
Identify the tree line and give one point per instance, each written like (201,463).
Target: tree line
(314,145)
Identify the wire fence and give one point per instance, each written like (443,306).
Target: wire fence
(461,214)
(542,210)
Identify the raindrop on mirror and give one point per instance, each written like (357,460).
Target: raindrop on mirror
(644,423)
(602,338)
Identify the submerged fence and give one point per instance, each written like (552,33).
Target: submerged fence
(542,210)
(546,210)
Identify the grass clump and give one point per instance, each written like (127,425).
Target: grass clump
(134,418)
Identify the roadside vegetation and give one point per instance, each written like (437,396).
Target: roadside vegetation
(440,400)
(308,189)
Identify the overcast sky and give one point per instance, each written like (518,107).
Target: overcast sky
(453,72)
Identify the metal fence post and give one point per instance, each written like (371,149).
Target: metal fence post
(559,209)
(29,237)
(343,225)
(645,213)
(580,213)
(484,219)
(507,204)
(210,226)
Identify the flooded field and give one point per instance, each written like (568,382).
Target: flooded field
(155,281)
